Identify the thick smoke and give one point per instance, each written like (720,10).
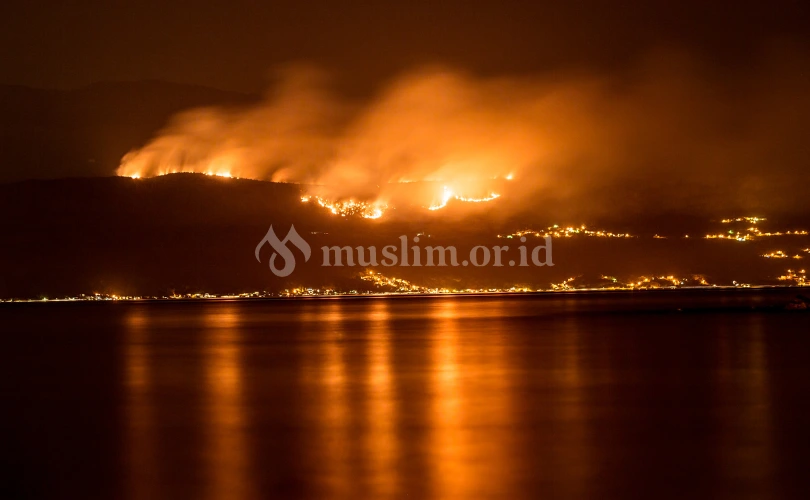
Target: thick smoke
(670,132)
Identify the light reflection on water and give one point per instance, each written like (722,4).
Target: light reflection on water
(441,398)
(142,463)
(381,446)
(227,456)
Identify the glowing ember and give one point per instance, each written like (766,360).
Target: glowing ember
(349,207)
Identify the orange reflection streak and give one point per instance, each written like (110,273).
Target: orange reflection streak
(227,452)
(452,476)
(473,444)
(335,420)
(381,445)
(142,470)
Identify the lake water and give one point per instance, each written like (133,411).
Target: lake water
(595,396)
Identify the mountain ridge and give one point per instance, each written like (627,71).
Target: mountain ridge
(55,133)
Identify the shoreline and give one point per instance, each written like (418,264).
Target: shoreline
(765,291)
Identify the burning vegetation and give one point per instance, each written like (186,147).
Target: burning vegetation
(575,139)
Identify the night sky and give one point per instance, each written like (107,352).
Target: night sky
(591,104)
(233,45)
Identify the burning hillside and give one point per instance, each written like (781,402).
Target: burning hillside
(619,144)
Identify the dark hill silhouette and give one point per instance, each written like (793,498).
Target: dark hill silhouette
(85,132)
(191,233)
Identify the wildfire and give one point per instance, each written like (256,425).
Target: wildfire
(448,194)
(343,208)
(478,200)
(219,173)
(349,207)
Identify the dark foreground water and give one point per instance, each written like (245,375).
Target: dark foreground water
(618,396)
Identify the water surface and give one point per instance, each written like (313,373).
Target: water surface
(616,396)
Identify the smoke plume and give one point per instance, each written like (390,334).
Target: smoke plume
(669,132)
